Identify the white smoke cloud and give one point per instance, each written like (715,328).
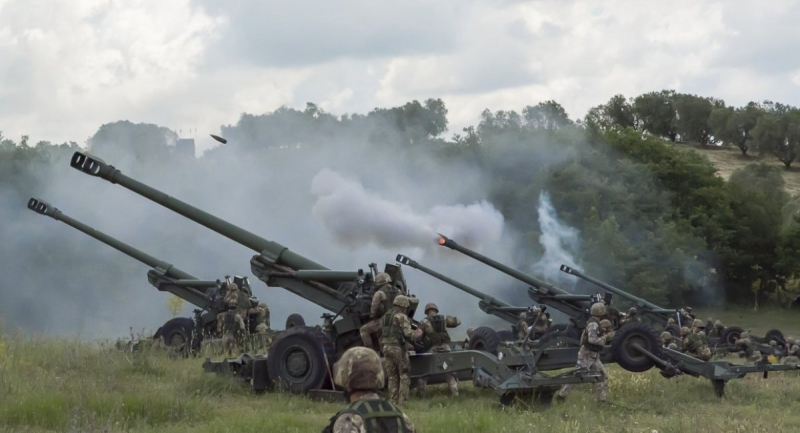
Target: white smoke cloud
(561,243)
(357,217)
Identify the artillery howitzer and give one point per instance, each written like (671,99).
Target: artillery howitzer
(636,347)
(180,332)
(485,338)
(661,316)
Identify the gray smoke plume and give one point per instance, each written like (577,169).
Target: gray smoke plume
(561,244)
(357,217)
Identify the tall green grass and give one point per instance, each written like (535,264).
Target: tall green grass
(49,384)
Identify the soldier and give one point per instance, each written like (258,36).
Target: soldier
(670,321)
(522,326)
(360,374)
(666,339)
(685,331)
(469,335)
(792,352)
(396,332)
(686,316)
(696,343)
(747,348)
(434,329)
(612,314)
(261,314)
(608,330)
(541,325)
(382,300)
(632,316)
(592,342)
(716,330)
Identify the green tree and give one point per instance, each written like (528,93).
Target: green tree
(692,115)
(547,115)
(655,112)
(735,125)
(617,112)
(778,132)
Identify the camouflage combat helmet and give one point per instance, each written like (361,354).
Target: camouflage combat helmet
(262,305)
(232,286)
(431,306)
(670,321)
(598,309)
(605,323)
(401,301)
(744,334)
(522,316)
(789,340)
(359,368)
(684,331)
(470,331)
(718,324)
(633,311)
(697,323)
(382,278)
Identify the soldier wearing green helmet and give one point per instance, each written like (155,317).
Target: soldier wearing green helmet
(592,342)
(396,332)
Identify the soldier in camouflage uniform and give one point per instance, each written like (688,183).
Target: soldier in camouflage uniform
(685,331)
(666,341)
(360,374)
(747,348)
(229,323)
(632,316)
(696,343)
(522,326)
(541,325)
(792,352)
(396,332)
(261,315)
(612,314)
(592,342)
(608,330)
(716,330)
(469,335)
(382,300)
(434,330)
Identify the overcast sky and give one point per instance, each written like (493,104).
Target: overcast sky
(68,66)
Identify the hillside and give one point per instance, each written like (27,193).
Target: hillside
(729,159)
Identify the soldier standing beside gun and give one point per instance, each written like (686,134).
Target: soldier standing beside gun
(522,326)
(632,316)
(261,313)
(434,329)
(608,331)
(792,352)
(696,343)
(381,304)
(592,342)
(396,332)
(360,373)
(747,348)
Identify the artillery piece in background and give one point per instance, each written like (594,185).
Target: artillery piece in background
(661,316)
(180,333)
(489,340)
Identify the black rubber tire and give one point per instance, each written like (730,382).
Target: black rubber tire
(730,335)
(294,320)
(629,358)
(506,335)
(177,333)
(297,360)
(484,339)
(673,329)
(774,334)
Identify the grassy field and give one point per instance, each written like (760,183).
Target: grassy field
(63,385)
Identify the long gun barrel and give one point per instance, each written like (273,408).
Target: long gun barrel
(275,264)
(487,303)
(574,306)
(163,276)
(645,306)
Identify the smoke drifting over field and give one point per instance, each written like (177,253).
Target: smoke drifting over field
(561,244)
(357,217)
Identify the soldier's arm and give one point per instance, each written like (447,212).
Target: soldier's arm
(405,325)
(451,321)
(593,334)
(348,423)
(374,309)
(426,326)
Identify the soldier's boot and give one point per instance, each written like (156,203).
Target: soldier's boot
(421,384)
(562,393)
(452,383)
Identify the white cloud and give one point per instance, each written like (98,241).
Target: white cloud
(68,66)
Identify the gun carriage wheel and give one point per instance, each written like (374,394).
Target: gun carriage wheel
(626,344)
(774,334)
(295,320)
(731,334)
(485,339)
(177,333)
(298,360)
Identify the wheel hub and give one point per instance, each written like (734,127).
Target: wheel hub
(297,362)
